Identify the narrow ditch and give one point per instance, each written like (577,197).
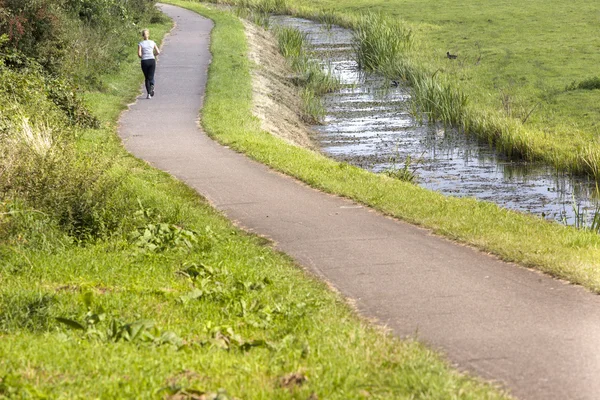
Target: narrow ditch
(368,124)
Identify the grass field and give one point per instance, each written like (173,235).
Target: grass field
(186,306)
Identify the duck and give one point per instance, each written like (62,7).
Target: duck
(395,83)
(451,56)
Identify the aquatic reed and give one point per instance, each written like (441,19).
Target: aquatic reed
(441,102)
(379,41)
(406,173)
(310,76)
(291,42)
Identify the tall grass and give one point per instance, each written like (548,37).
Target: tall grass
(44,169)
(379,41)
(310,76)
(291,42)
(439,101)
(585,220)
(256,17)
(327,17)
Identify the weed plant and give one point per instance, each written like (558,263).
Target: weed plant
(586,84)
(406,173)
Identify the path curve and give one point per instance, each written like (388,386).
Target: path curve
(538,336)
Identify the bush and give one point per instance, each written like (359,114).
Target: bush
(29,90)
(76,38)
(50,175)
(35,28)
(48,50)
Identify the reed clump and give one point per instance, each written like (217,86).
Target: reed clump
(291,42)
(439,101)
(379,41)
(313,80)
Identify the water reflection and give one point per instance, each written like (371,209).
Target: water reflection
(368,124)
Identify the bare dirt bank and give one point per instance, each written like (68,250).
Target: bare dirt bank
(275,99)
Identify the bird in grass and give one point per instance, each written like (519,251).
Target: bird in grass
(451,56)
(395,83)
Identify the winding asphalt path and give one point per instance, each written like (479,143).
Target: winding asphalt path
(537,336)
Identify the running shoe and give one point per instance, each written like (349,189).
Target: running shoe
(151,90)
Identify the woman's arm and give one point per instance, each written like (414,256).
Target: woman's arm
(156,50)
(139,51)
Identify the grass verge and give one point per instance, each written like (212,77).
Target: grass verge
(187,306)
(560,251)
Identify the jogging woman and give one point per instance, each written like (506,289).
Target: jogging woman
(147,50)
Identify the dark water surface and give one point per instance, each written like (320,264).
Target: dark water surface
(368,124)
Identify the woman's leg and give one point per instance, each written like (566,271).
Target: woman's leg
(151,70)
(148,70)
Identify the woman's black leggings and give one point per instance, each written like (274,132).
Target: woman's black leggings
(148,67)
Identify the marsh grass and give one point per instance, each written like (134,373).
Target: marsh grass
(439,101)
(291,42)
(313,106)
(313,79)
(327,17)
(379,41)
(587,220)
(406,173)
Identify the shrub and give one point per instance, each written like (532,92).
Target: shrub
(35,28)
(75,38)
(50,175)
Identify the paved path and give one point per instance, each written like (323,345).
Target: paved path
(538,336)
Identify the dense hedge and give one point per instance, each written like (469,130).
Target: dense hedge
(72,37)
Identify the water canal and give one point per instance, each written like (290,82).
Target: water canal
(368,124)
